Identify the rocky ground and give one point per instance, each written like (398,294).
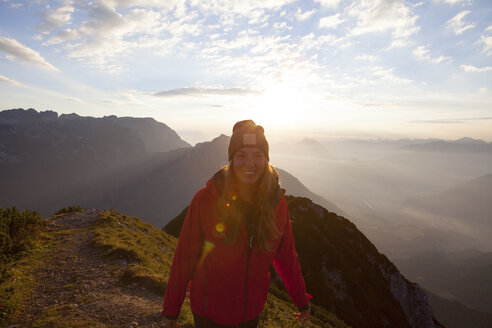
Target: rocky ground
(77,285)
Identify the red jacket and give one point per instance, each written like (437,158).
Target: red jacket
(229,283)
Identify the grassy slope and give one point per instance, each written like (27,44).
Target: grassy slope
(16,272)
(149,252)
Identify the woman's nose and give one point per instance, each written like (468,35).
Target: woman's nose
(250,161)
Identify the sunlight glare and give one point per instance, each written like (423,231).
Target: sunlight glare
(280,105)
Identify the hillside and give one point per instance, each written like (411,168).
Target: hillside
(466,207)
(160,192)
(453,314)
(48,161)
(135,165)
(346,274)
(463,145)
(463,276)
(105,269)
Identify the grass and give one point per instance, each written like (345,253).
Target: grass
(149,251)
(138,253)
(279,312)
(70,209)
(16,278)
(146,249)
(59,317)
(24,243)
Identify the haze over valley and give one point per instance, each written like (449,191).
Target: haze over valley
(423,203)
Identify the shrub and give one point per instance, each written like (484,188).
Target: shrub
(18,230)
(70,209)
(22,244)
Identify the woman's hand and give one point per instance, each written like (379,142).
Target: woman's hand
(303,317)
(171,323)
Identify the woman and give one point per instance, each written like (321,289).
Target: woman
(234,229)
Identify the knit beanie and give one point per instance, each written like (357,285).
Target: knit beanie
(247,133)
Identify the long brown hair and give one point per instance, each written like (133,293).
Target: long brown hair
(231,215)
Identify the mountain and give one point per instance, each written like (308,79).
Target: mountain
(460,276)
(48,161)
(463,145)
(57,134)
(95,268)
(346,274)
(310,146)
(467,208)
(453,314)
(160,193)
(469,141)
(306,148)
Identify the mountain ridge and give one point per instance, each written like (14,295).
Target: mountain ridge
(105,269)
(345,273)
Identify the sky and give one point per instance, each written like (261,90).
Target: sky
(320,68)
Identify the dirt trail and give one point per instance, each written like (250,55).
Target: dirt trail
(77,285)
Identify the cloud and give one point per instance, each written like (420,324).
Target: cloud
(282,26)
(74,99)
(332,4)
(16,5)
(457,25)
(331,21)
(204,91)
(9,81)
(383,104)
(422,54)
(452,120)
(241,7)
(106,34)
(302,16)
(454,2)
(370,58)
(126,98)
(386,74)
(17,51)
(487,44)
(382,16)
(473,69)
(489,28)
(54,18)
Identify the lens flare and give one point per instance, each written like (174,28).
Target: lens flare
(220,227)
(207,248)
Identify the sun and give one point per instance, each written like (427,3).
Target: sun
(280,105)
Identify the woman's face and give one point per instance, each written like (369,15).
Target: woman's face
(248,164)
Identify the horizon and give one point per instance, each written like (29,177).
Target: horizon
(277,140)
(322,69)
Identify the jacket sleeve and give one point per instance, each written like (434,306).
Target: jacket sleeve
(185,259)
(287,264)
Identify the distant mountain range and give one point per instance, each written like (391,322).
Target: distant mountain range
(463,145)
(453,314)
(346,274)
(464,276)
(142,168)
(138,166)
(27,134)
(467,208)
